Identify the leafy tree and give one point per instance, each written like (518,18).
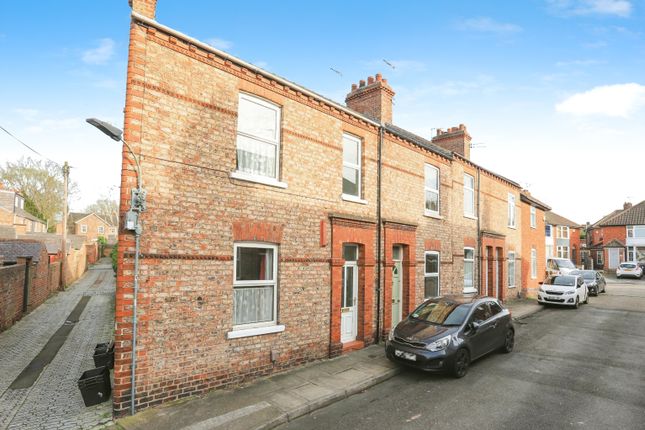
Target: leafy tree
(40,183)
(106,209)
(113,256)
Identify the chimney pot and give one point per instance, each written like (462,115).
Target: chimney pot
(462,127)
(354,87)
(370,80)
(376,102)
(385,81)
(362,82)
(379,77)
(627,205)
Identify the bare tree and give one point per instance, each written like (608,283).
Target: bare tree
(105,208)
(40,182)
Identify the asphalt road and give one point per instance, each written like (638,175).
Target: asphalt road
(570,369)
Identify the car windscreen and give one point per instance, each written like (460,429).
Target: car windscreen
(442,312)
(565,281)
(588,274)
(628,266)
(565,264)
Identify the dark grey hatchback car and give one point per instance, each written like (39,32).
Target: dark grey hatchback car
(447,333)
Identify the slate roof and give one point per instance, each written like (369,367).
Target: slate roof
(425,143)
(12,249)
(555,219)
(24,214)
(527,198)
(632,216)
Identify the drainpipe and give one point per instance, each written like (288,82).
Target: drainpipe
(479,234)
(378,235)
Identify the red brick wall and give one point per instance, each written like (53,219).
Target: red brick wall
(532,238)
(12,280)
(574,243)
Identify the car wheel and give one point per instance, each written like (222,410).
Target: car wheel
(509,341)
(461,363)
(577,304)
(586,302)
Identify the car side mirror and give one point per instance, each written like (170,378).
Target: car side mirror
(475,326)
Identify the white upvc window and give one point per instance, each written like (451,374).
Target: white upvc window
(511,210)
(548,230)
(562,232)
(431,189)
(469,195)
(351,166)
(636,231)
(534,262)
(533,217)
(101,229)
(511,270)
(255,276)
(563,252)
(83,228)
(258,138)
(469,270)
(431,274)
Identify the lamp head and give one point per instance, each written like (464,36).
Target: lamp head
(113,132)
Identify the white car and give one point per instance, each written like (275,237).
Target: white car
(629,268)
(566,290)
(559,266)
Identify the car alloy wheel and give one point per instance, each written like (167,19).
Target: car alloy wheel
(509,341)
(577,304)
(461,363)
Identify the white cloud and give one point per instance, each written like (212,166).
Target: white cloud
(488,25)
(619,100)
(219,43)
(622,8)
(101,54)
(27,113)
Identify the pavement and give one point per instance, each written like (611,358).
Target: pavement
(570,369)
(279,399)
(43,355)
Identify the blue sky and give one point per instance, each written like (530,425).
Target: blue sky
(554,91)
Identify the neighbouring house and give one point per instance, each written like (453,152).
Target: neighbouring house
(27,278)
(533,242)
(618,236)
(282,227)
(89,225)
(15,219)
(562,238)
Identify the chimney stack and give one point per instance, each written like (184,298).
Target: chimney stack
(147,8)
(626,206)
(455,139)
(373,98)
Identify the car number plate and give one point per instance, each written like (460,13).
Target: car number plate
(553,297)
(406,355)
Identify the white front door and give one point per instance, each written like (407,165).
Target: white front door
(349,297)
(614,257)
(397,293)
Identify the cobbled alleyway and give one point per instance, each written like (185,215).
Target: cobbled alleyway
(54,401)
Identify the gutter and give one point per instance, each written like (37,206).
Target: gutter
(152,23)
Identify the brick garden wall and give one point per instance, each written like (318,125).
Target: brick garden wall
(12,280)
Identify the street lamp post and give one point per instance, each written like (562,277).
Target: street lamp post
(132,223)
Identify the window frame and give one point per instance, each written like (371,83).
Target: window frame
(510,262)
(100,229)
(533,217)
(432,274)
(468,189)
(512,220)
(471,289)
(534,263)
(561,254)
(600,259)
(560,230)
(427,211)
(358,167)
(240,174)
(256,283)
(83,228)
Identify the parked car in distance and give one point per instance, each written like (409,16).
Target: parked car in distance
(448,333)
(559,266)
(596,283)
(567,290)
(629,268)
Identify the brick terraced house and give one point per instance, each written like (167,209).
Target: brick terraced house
(562,238)
(533,243)
(618,236)
(282,227)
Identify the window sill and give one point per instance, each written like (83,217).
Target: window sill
(512,286)
(242,176)
(470,291)
(353,199)
(257,331)
(470,217)
(512,226)
(432,215)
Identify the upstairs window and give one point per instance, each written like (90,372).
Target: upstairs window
(258,137)
(83,228)
(469,195)
(101,229)
(511,210)
(431,190)
(562,232)
(351,166)
(547,230)
(533,217)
